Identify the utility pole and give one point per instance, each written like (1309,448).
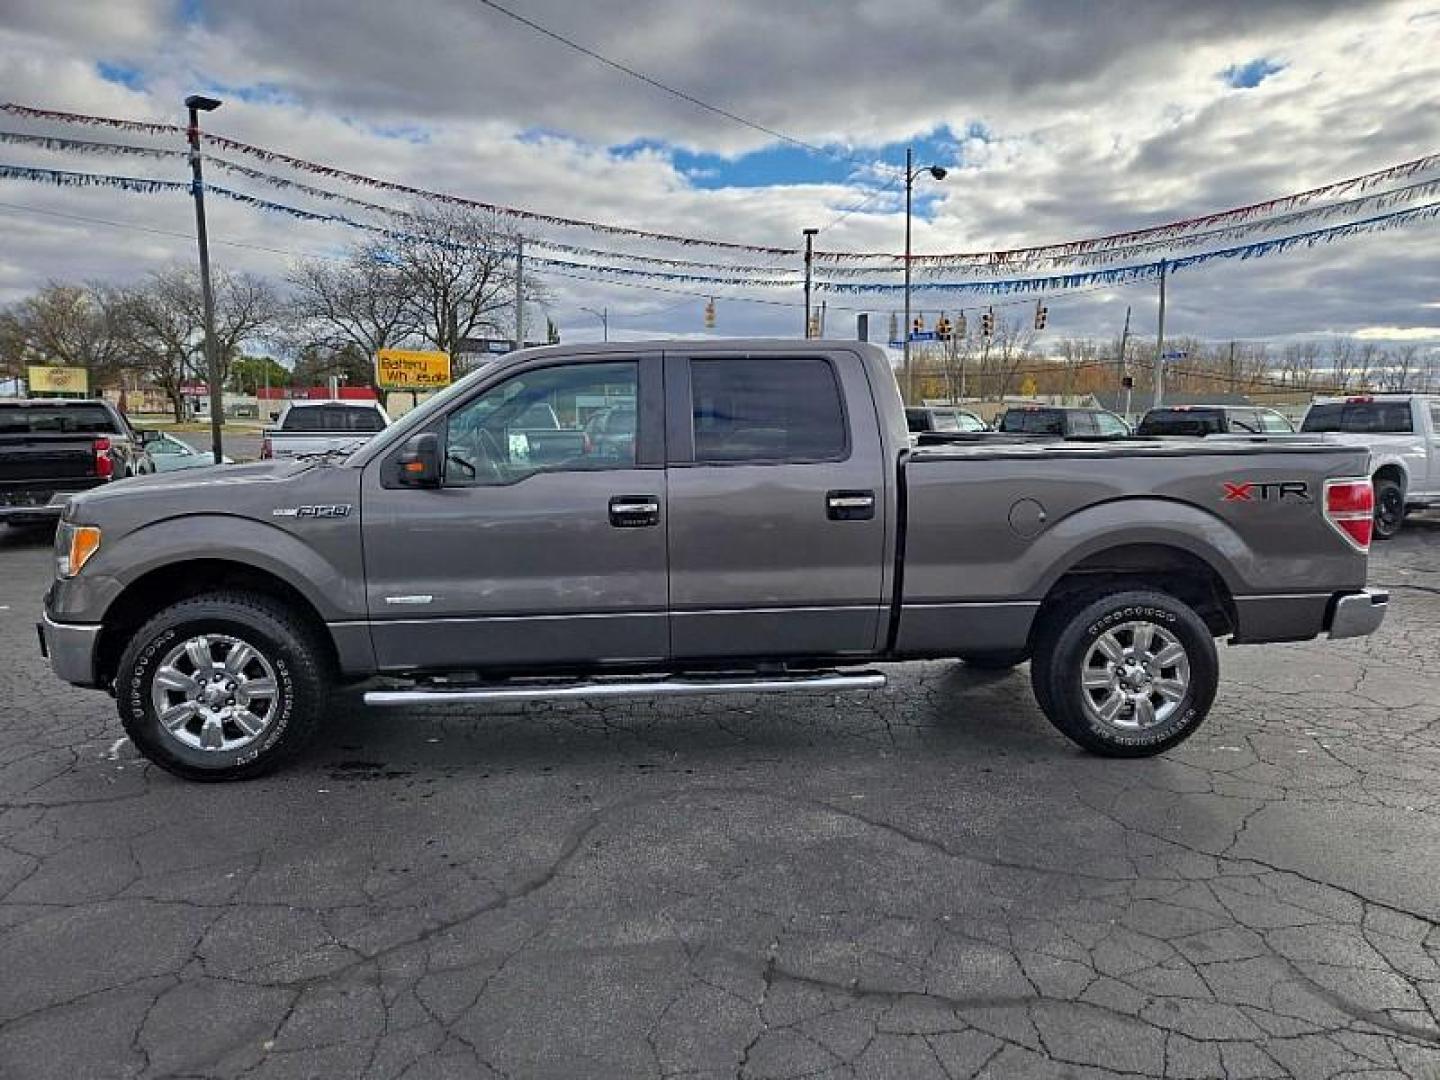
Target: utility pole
(198,103)
(1160,341)
(1124,365)
(520,292)
(1232,367)
(809,259)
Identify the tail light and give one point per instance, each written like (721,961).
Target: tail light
(1350,509)
(266,450)
(104,467)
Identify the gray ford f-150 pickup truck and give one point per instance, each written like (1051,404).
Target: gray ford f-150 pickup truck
(765,527)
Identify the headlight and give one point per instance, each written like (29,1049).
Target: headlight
(74,544)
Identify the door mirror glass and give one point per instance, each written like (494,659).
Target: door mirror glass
(148,436)
(419,461)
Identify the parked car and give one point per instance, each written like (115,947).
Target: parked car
(1064,421)
(1200,420)
(51,448)
(769,530)
(942,418)
(309,428)
(171,454)
(1402,433)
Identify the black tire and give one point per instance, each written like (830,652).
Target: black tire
(1389,508)
(997,661)
(286,646)
(1069,640)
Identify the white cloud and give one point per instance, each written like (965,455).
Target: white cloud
(1101,117)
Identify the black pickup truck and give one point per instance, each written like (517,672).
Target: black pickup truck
(51,449)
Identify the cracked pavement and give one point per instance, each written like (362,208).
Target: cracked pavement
(922,882)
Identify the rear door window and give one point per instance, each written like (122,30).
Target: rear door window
(781,409)
(1110,424)
(1191,422)
(1274,422)
(337,418)
(1083,423)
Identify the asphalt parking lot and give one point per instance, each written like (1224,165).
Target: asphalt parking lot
(925,882)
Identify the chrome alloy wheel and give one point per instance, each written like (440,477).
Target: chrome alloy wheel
(215,692)
(1135,676)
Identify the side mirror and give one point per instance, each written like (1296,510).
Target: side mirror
(148,436)
(419,462)
(275,415)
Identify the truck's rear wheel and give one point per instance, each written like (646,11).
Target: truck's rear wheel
(1126,675)
(1389,508)
(223,686)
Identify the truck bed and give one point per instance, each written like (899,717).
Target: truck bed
(990,526)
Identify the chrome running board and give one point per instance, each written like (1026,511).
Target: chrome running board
(601,688)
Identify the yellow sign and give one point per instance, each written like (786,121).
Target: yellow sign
(411,369)
(58,380)
(1027,387)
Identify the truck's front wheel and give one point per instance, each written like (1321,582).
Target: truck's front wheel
(1126,675)
(223,686)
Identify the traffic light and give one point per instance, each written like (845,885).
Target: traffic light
(1040,312)
(987,323)
(710,314)
(943,329)
(1128,382)
(917,325)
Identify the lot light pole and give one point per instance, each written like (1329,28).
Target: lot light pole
(911,173)
(603,315)
(809,260)
(198,103)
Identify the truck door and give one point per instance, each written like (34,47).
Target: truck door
(776,481)
(546,544)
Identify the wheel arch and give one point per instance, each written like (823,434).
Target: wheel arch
(164,585)
(1167,568)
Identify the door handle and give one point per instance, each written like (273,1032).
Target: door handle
(850,505)
(634,511)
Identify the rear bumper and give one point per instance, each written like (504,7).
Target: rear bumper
(1358,614)
(70,648)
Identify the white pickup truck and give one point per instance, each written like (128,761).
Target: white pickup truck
(1402,433)
(323,426)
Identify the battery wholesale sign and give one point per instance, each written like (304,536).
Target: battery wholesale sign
(57,380)
(411,369)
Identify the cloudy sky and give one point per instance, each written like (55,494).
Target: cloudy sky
(1056,119)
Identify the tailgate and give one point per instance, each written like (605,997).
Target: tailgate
(29,459)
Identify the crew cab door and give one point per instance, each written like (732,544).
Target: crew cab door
(776,482)
(544,546)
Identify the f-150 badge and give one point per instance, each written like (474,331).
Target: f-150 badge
(332,510)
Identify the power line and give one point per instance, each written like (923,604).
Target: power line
(625,69)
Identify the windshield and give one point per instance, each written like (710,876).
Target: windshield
(1359,417)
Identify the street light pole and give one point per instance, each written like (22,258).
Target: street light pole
(809,260)
(604,316)
(1160,342)
(910,173)
(198,103)
(905,326)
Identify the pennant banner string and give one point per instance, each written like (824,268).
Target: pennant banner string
(1231,217)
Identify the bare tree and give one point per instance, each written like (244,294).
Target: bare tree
(456,272)
(72,326)
(1401,366)
(164,325)
(361,302)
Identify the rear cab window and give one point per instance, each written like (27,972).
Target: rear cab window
(345,418)
(1360,417)
(1033,422)
(56,419)
(1193,422)
(767,410)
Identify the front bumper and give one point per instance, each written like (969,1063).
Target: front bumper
(1358,614)
(70,648)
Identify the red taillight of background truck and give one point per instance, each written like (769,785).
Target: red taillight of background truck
(104,467)
(1350,509)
